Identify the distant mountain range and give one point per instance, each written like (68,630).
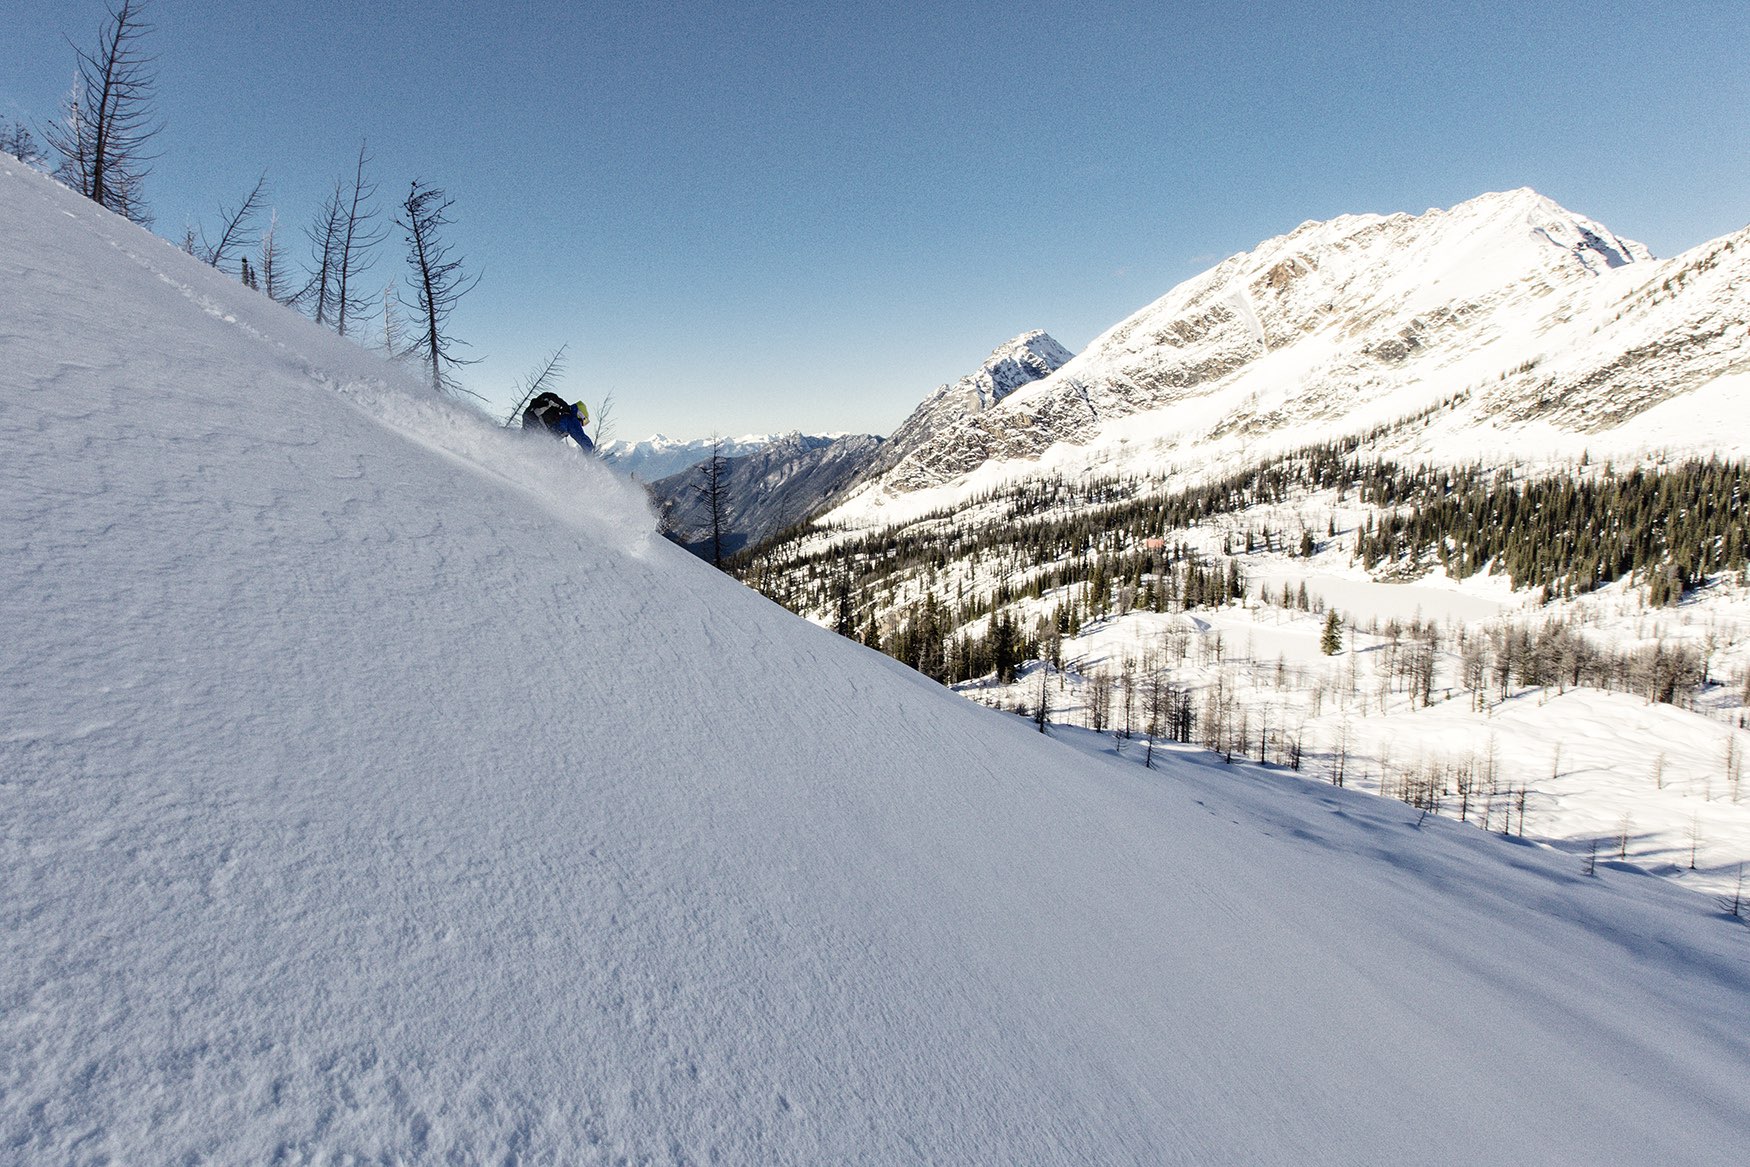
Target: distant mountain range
(1505,327)
(1348,496)
(766,490)
(659,456)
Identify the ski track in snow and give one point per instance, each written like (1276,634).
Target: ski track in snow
(364,805)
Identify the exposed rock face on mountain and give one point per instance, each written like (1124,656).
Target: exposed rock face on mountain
(949,430)
(1518,320)
(777,485)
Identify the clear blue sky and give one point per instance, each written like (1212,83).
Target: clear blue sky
(762,216)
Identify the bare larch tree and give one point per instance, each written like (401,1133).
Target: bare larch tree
(357,240)
(324,234)
(394,344)
(17,140)
(107,124)
(234,226)
(270,266)
(713,492)
(437,280)
(543,378)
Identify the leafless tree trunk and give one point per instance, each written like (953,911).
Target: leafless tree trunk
(438,282)
(357,239)
(713,492)
(1128,680)
(604,420)
(394,343)
(1214,719)
(107,125)
(1474,669)
(1099,699)
(540,379)
(324,235)
(1422,670)
(269,268)
(1158,699)
(233,225)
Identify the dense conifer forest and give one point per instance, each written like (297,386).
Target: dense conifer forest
(1566,535)
(941,594)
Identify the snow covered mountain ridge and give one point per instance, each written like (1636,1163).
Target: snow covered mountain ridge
(659,455)
(958,408)
(1523,326)
(1014,363)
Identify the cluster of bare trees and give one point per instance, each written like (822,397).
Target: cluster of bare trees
(1144,696)
(1558,655)
(343,238)
(1474,783)
(1140,699)
(104,140)
(17,140)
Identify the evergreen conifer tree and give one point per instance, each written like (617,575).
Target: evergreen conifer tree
(1331,642)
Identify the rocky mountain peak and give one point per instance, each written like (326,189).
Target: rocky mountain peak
(1520,312)
(1013,365)
(1019,361)
(1593,245)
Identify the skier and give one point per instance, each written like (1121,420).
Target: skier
(560,417)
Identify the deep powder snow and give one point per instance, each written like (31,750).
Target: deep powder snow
(376,787)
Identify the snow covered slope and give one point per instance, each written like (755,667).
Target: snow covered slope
(1516,327)
(375,787)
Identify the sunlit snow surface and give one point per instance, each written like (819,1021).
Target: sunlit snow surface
(375,787)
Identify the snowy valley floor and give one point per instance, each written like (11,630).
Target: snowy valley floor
(1654,783)
(1643,782)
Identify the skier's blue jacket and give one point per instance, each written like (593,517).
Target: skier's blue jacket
(572,426)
